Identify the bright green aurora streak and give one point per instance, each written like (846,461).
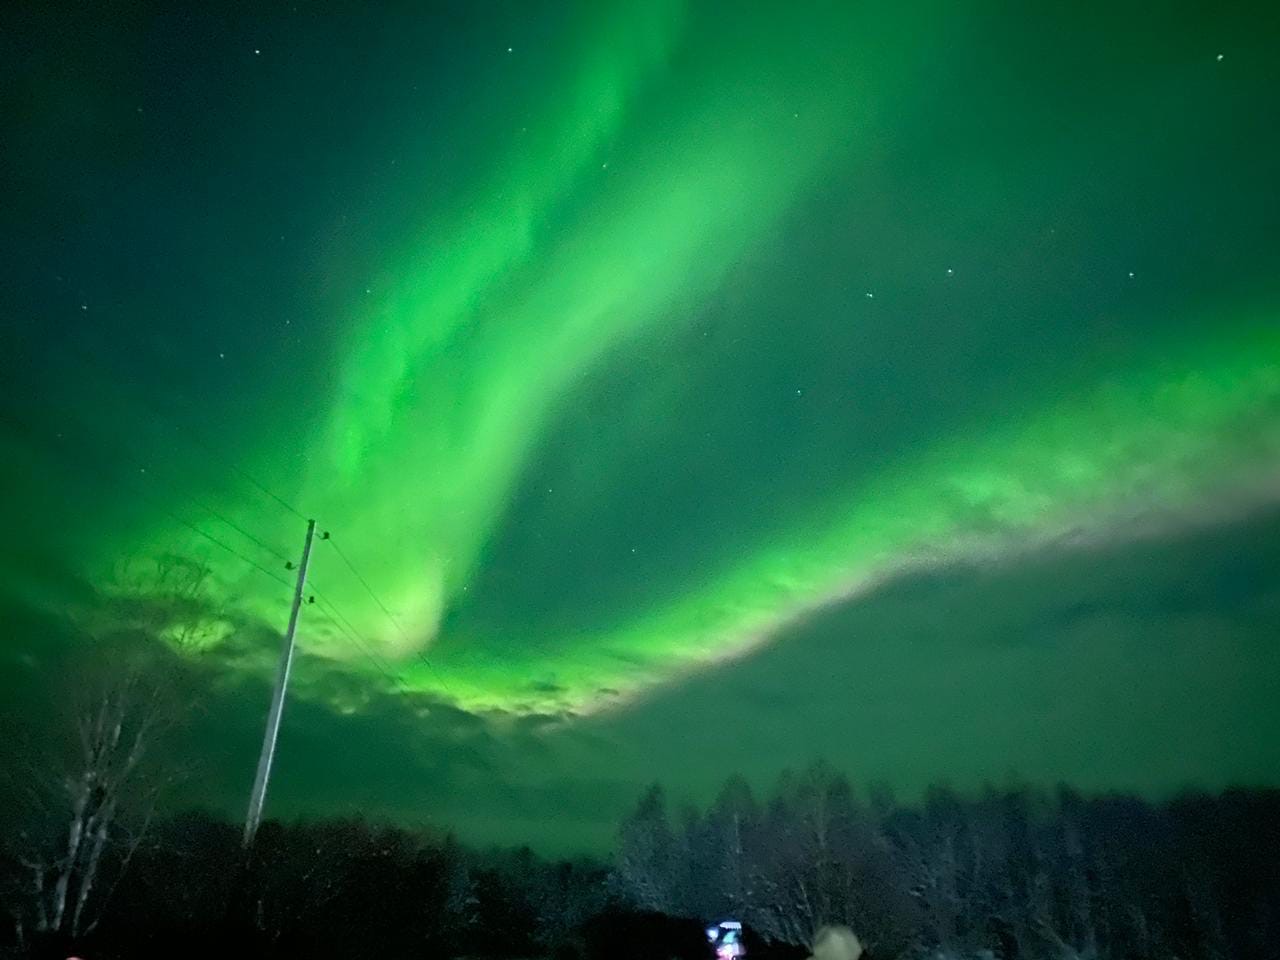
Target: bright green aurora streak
(649,171)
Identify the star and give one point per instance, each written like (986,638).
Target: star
(257,52)
(509,49)
(950,271)
(1131,273)
(1219,58)
(870,295)
(222,356)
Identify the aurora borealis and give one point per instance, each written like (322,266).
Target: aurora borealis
(727,373)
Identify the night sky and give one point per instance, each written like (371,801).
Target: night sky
(686,388)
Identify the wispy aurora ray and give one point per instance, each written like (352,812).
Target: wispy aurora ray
(659,160)
(453,378)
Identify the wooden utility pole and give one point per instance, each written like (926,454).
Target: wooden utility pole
(259,795)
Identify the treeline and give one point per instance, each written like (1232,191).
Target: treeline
(321,889)
(1013,873)
(1007,874)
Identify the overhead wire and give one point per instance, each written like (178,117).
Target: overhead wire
(348,627)
(214,540)
(136,484)
(327,608)
(192,435)
(189,432)
(383,607)
(333,615)
(279,555)
(240,472)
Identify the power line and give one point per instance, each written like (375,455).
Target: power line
(191,433)
(240,530)
(137,485)
(365,583)
(195,437)
(284,503)
(348,627)
(331,613)
(345,626)
(383,607)
(214,540)
(348,631)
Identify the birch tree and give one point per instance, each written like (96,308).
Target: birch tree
(89,810)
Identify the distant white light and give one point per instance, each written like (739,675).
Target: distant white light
(1219,58)
(257,52)
(870,295)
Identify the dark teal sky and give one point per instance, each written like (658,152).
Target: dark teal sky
(694,388)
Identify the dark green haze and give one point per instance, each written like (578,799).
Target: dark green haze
(686,388)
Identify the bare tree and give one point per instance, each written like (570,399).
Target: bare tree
(89,811)
(646,854)
(814,838)
(732,826)
(87,789)
(165,598)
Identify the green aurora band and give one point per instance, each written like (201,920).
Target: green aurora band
(649,178)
